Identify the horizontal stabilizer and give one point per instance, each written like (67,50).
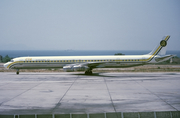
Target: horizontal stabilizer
(163,58)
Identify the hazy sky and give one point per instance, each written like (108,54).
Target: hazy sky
(88,24)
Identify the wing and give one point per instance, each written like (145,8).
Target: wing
(92,64)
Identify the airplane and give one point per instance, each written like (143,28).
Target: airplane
(87,63)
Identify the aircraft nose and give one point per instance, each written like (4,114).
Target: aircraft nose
(5,65)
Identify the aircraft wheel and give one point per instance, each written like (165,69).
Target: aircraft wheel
(17,72)
(89,72)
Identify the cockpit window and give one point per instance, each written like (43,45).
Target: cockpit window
(12,60)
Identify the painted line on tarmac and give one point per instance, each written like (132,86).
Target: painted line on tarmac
(59,103)
(20,93)
(154,94)
(110,97)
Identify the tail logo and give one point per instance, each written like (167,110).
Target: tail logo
(163,43)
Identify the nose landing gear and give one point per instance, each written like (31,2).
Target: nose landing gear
(17,71)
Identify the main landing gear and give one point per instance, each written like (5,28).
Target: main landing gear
(17,71)
(88,72)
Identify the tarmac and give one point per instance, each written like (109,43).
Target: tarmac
(76,93)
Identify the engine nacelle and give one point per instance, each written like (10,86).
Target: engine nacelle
(68,68)
(80,68)
(71,68)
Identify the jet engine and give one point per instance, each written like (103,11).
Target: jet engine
(68,68)
(71,68)
(80,68)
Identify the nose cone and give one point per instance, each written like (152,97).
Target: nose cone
(6,65)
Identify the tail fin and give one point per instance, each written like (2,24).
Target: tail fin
(161,47)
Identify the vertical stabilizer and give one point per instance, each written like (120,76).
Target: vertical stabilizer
(163,51)
(161,47)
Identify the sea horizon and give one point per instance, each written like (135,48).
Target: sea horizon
(69,52)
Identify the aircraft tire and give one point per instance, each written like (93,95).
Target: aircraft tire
(17,71)
(88,72)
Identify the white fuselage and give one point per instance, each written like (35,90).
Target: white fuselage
(60,61)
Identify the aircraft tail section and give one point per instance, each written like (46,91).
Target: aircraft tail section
(163,58)
(161,47)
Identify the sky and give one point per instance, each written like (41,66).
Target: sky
(88,24)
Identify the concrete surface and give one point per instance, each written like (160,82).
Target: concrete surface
(76,93)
